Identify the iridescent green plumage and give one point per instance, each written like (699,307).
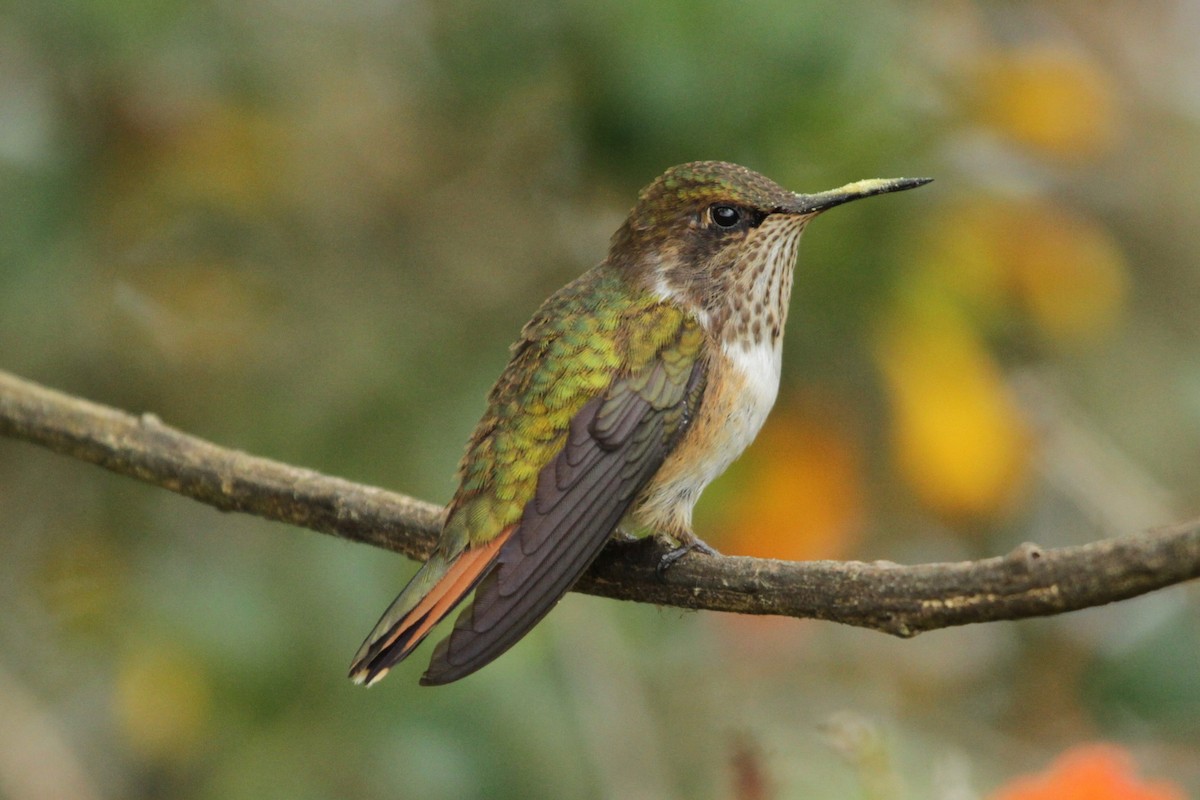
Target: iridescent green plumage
(568,354)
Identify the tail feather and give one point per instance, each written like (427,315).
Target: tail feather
(437,588)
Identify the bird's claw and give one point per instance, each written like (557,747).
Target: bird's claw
(671,556)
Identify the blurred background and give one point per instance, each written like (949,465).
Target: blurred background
(310,231)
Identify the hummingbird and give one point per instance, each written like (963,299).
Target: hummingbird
(627,393)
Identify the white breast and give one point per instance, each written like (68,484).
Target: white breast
(759,364)
(733,411)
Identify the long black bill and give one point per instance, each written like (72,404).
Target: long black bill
(816,203)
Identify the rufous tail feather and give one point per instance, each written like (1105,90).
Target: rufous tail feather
(437,588)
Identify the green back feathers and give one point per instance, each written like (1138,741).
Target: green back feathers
(568,354)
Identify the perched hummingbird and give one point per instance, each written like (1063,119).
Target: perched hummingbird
(630,390)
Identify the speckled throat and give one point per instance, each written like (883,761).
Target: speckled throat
(761,284)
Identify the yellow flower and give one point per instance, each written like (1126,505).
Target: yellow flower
(1049,98)
(1067,272)
(958,438)
(1064,271)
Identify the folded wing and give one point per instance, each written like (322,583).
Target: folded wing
(615,443)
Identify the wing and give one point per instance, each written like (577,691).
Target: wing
(614,444)
(598,387)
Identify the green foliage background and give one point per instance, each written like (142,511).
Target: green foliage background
(310,230)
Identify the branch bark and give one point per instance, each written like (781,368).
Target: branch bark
(901,600)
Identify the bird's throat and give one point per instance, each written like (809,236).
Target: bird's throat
(760,286)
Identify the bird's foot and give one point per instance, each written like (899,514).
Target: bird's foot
(687,545)
(624,536)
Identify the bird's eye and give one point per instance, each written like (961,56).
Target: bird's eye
(725,216)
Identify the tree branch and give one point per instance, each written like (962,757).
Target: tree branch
(901,600)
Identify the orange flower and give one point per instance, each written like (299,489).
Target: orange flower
(800,495)
(1089,772)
